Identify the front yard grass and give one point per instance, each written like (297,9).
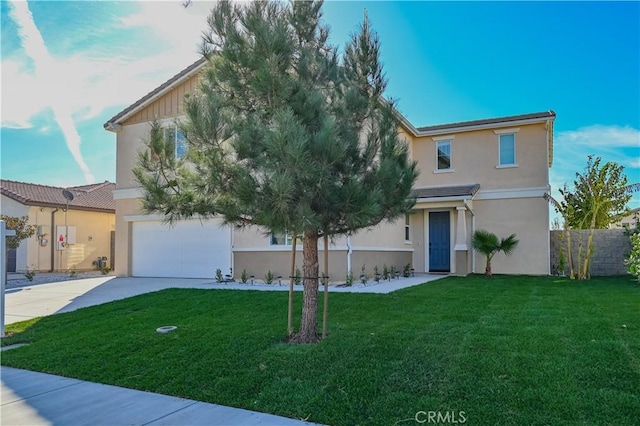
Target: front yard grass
(509,350)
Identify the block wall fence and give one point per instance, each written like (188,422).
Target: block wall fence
(611,248)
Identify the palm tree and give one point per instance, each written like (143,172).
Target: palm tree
(489,245)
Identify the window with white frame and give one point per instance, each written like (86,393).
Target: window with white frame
(284,239)
(507,149)
(173,134)
(443,161)
(407,227)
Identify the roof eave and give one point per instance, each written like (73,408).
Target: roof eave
(496,125)
(63,206)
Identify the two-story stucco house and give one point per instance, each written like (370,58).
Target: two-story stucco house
(490,174)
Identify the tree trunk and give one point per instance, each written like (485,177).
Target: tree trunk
(579,266)
(588,253)
(325,309)
(291,278)
(569,253)
(487,270)
(309,322)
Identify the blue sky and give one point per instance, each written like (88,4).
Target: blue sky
(67,67)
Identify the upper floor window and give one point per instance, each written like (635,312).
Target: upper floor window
(407,227)
(173,134)
(507,147)
(444,155)
(284,239)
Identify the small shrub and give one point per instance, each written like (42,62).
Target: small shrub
(385,272)
(297,278)
(392,271)
(268,278)
(105,270)
(219,277)
(244,277)
(376,273)
(349,280)
(633,261)
(30,274)
(406,271)
(72,273)
(561,262)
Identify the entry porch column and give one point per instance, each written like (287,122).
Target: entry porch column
(461,247)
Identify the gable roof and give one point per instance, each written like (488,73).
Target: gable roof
(462,191)
(183,75)
(94,197)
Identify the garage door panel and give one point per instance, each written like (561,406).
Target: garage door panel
(189,249)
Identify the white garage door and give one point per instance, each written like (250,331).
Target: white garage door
(189,249)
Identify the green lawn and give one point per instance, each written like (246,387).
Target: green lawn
(509,351)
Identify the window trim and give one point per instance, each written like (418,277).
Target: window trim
(288,240)
(176,131)
(443,142)
(504,132)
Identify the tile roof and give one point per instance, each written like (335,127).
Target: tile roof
(489,121)
(447,191)
(94,197)
(182,75)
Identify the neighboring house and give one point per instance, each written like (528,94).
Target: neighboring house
(489,174)
(89,221)
(629,221)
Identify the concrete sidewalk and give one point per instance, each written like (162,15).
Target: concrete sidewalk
(30,398)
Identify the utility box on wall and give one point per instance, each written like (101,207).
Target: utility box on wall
(65,237)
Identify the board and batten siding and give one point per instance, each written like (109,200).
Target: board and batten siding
(168,105)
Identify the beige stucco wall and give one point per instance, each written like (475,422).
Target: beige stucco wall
(388,235)
(257,263)
(383,244)
(93,238)
(528,218)
(130,140)
(474,157)
(123,234)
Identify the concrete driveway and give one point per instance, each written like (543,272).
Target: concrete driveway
(23,303)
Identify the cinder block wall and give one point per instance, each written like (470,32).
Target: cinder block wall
(611,247)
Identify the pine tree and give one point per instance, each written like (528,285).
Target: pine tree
(284,134)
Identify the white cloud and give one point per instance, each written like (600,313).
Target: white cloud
(46,71)
(633,162)
(620,144)
(600,137)
(88,82)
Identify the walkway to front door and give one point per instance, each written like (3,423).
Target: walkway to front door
(439,242)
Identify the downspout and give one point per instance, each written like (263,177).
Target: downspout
(549,129)
(52,239)
(349,253)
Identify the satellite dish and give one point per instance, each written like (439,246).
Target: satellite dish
(67,194)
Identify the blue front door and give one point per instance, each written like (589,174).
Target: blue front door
(439,242)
